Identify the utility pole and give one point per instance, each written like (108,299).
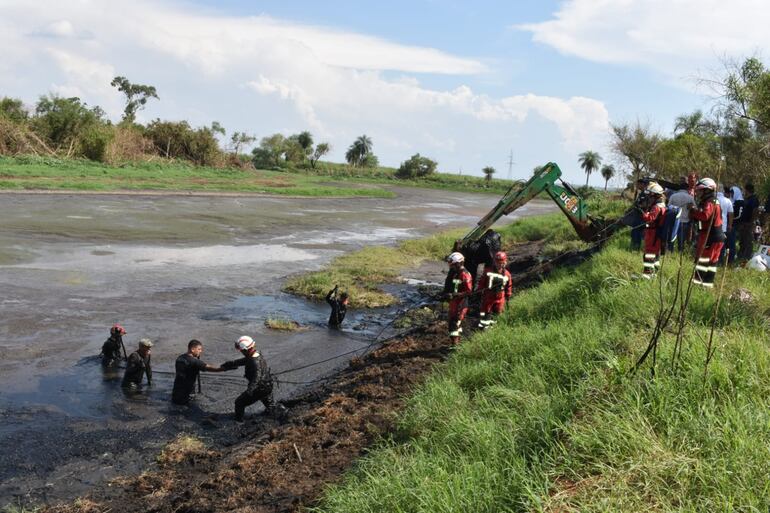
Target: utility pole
(510,166)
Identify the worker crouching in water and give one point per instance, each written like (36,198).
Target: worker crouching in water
(137,366)
(457,287)
(111,349)
(260,381)
(496,287)
(339,305)
(711,236)
(653,215)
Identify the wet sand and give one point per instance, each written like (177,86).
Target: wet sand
(170,268)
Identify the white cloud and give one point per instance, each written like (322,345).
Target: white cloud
(264,75)
(677,38)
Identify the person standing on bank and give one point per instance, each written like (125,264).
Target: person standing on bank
(188,367)
(138,365)
(339,307)
(744,224)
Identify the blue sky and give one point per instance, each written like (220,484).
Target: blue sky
(461,82)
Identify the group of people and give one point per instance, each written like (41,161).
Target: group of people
(495,287)
(188,367)
(713,219)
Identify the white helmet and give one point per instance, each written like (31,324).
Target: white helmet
(244,343)
(456,258)
(706,184)
(654,188)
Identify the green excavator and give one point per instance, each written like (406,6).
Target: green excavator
(481,243)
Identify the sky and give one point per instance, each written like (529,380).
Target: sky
(464,83)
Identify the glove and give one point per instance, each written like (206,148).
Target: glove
(229,365)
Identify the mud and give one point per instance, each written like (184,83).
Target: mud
(171,268)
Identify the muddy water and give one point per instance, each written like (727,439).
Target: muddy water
(168,268)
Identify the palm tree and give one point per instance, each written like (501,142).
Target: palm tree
(488,172)
(589,161)
(608,171)
(305,139)
(361,147)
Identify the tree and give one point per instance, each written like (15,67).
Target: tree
(137,96)
(589,161)
(240,139)
(488,172)
(416,167)
(608,172)
(63,120)
(320,150)
(217,128)
(13,110)
(639,146)
(357,152)
(270,151)
(305,139)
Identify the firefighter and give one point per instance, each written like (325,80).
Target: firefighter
(112,346)
(137,365)
(654,215)
(711,235)
(496,287)
(260,381)
(457,287)
(339,305)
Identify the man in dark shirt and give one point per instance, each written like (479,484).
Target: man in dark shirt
(260,381)
(745,223)
(138,365)
(339,307)
(112,346)
(188,366)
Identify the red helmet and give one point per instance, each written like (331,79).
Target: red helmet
(501,256)
(117,329)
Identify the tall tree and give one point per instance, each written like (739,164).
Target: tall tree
(608,171)
(488,172)
(589,161)
(359,150)
(239,140)
(638,145)
(136,96)
(321,149)
(305,139)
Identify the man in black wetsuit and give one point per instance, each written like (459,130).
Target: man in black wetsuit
(112,346)
(339,307)
(260,382)
(188,366)
(137,366)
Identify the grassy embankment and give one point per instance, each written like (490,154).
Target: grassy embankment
(541,412)
(26,173)
(23,173)
(361,272)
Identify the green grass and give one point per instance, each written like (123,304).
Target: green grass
(24,173)
(283,324)
(541,413)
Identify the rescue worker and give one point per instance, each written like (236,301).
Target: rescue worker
(260,381)
(654,215)
(137,365)
(188,367)
(339,307)
(711,236)
(496,286)
(112,346)
(457,287)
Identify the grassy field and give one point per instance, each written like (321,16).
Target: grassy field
(22,173)
(542,413)
(360,273)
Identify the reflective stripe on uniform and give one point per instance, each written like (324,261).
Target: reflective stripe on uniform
(494,276)
(704,260)
(650,255)
(649,266)
(702,268)
(455,333)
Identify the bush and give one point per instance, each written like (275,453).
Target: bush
(62,121)
(177,140)
(94,142)
(416,167)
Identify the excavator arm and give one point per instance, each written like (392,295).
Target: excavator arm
(588,228)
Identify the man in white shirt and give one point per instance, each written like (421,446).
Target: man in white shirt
(682,199)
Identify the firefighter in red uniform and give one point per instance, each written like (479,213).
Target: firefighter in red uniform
(654,216)
(711,236)
(457,287)
(497,288)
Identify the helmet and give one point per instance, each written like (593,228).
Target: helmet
(500,255)
(244,343)
(456,258)
(654,188)
(117,329)
(145,342)
(706,184)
